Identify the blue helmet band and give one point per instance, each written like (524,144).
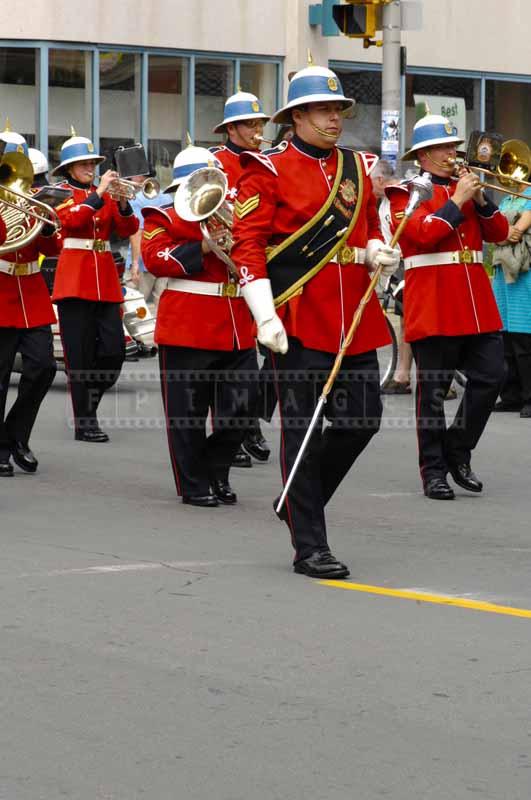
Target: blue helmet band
(186,169)
(315,85)
(77,150)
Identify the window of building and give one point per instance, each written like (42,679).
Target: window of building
(214,82)
(119,101)
(362,127)
(466,89)
(69,98)
(508,109)
(18,96)
(261,79)
(167,112)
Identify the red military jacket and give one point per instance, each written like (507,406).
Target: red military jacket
(89,274)
(24,299)
(3,231)
(287,187)
(171,247)
(449,299)
(229,157)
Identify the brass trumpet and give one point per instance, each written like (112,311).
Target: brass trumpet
(123,189)
(27,216)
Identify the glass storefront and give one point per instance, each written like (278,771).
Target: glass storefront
(121,97)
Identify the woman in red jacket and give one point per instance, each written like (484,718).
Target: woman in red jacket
(87,288)
(26,315)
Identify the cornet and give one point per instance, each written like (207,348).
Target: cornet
(123,189)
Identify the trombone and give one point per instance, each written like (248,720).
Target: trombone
(512,170)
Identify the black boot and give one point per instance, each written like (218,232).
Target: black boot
(224,493)
(255,444)
(241,459)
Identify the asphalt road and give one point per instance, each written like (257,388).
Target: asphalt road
(154,650)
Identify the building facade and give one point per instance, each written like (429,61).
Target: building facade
(132,71)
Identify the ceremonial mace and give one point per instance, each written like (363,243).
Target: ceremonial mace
(420,189)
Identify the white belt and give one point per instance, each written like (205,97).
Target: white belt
(350,255)
(452,257)
(99,245)
(204,287)
(12,268)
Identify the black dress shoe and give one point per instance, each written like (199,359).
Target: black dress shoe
(438,489)
(321,565)
(6,469)
(255,444)
(91,435)
(223,491)
(464,477)
(201,500)
(525,411)
(504,405)
(241,459)
(23,457)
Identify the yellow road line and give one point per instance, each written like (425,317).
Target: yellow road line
(439,599)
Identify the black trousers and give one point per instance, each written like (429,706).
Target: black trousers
(94,348)
(192,382)
(354,410)
(517,386)
(35,345)
(437,357)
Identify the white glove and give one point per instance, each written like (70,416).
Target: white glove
(379,254)
(259,298)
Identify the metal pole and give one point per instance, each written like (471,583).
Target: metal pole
(391,117)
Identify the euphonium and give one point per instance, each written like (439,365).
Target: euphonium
(202,198)
(25,216)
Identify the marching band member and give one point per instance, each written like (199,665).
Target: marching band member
(203,331)
(450,314)
(87,288)
(40,165)
(243,122)
(306,231)
(26,315)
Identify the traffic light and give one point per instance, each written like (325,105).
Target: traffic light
(356,21)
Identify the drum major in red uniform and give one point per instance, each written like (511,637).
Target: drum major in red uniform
(306,231)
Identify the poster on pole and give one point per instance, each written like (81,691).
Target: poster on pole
(390,135)
(453,108)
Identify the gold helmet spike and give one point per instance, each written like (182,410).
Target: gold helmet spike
(189,142)
(7,127)
(311,62)
(72,131)
(239,88)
